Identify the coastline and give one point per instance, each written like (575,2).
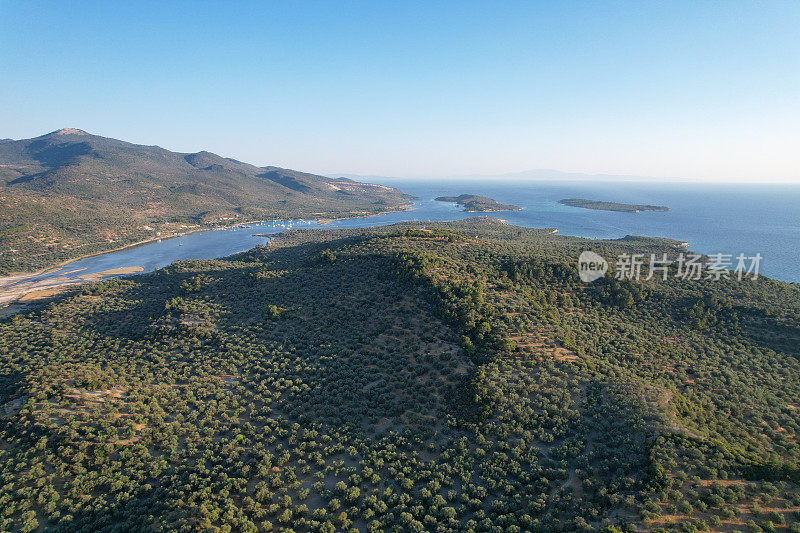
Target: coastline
(491,210)
(18,292)
(25,275)
(16,285)
(407,207)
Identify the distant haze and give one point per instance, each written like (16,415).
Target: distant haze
(654,90)
(544,174)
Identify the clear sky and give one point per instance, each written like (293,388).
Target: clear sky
(695,89)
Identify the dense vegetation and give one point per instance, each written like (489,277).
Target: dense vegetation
(478,204)
(69,194)
(447,377)
(610,206)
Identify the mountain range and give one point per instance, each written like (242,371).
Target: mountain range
(69,193)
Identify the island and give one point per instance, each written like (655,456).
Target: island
(478,204)
(610,206)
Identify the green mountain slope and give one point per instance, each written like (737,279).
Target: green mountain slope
(452,377)
(69,193)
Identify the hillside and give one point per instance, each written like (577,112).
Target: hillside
(451,377)
(69,193)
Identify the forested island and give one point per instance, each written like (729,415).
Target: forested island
(478,204)
(69,194)
(453,377)
(610,206)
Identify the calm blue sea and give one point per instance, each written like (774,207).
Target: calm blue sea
(715,218)
(725,218)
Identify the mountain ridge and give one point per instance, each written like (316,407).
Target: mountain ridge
(71,189)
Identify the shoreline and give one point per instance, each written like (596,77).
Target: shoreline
(59,266)
(324,221)
(491,210)
(9,296)
(22,293)
(24,275)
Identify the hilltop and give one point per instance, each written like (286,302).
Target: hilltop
(69,193)
(447,377)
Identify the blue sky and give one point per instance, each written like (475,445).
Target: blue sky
(707,90)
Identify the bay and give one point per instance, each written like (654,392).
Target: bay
(712,218)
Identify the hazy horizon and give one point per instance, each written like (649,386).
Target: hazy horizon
(554,175)
(685,91)
(530,175)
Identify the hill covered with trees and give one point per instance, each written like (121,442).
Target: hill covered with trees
(446,377)
(69,193)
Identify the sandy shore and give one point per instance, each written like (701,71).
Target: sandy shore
(14,289)
(111,272)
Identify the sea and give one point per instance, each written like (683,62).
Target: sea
(731,219)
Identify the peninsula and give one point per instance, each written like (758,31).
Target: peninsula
(478,204)
(611,206)
(233,391)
